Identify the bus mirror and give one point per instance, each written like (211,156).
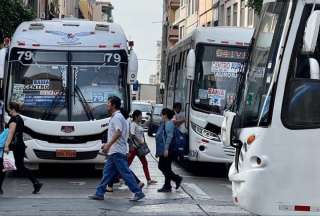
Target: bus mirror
(314,69)
(191,64)
(3,54)
(311,33)
(132,67)
(226,128)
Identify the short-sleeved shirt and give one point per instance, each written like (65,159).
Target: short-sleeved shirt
(118,122)
(181,116)
(18,135)
(137,130)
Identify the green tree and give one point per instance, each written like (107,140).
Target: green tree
(12,13)
(256,5)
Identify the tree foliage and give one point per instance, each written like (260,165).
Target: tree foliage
(12,13)
(256,5)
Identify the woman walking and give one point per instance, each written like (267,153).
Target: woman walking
(163,140)
(15,143)
(137,134)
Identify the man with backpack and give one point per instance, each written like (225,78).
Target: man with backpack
(165,150)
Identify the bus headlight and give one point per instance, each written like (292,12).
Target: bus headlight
(205,133)
(26,137)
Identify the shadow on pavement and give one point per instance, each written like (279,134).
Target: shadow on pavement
(205,169)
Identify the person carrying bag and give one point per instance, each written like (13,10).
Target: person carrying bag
(15,143)
(139,146)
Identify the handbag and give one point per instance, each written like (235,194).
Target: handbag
(142,149)
(9,162)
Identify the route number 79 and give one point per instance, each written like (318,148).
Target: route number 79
(110,58)
(24,55)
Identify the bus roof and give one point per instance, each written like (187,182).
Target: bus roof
(220,35)
(66,34)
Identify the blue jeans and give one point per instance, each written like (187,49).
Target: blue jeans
(117,164)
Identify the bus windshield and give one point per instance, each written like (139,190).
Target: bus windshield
(254,105)
(53,87)
(217,70)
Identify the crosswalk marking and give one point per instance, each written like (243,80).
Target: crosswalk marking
(195,191)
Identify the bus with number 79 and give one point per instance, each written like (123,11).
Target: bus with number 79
(62,73)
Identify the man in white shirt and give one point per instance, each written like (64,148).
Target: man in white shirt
(179,118)
(117,149)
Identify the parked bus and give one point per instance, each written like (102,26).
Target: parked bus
(275,126)
(202,72)
(62,73)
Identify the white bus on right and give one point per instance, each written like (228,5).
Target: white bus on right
(275,126)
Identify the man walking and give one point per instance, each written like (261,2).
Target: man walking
(116,148)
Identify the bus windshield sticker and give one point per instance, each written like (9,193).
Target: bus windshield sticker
(44,101)
(216,93)
(38,85)
(50,92)
(215,101)
(17,94)
(98,97)
(225,69)
(203,94)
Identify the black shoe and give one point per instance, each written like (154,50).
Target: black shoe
(178,183)
(95,197)
(37,187)
(164,190)
(1,191)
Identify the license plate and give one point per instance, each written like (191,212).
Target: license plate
(66,154)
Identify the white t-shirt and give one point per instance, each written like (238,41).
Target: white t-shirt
(137,131)
(118,122)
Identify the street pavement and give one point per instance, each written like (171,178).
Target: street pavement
(205,191)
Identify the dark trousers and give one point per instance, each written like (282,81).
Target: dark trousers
(21,169)
(165,167)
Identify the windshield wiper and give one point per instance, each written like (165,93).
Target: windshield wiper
(54,103)
(84,103)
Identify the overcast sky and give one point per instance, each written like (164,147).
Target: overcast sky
(136,18)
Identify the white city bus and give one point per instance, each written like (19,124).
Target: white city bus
(202,74)
(62,73)
(275,126)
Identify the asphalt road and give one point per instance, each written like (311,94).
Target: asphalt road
(205,191)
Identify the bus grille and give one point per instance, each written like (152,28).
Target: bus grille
(230,151)
(50,155)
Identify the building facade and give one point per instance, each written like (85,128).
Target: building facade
(181,17)
(102,11)
(236,13)
(98,10)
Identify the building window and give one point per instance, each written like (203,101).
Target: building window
(182,3)
(250,17)
(189,7)
(229,16)
(221,15)
(181,32)
(235,14)
(242,13)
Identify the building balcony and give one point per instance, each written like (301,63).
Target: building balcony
(174,4)
(173,35)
